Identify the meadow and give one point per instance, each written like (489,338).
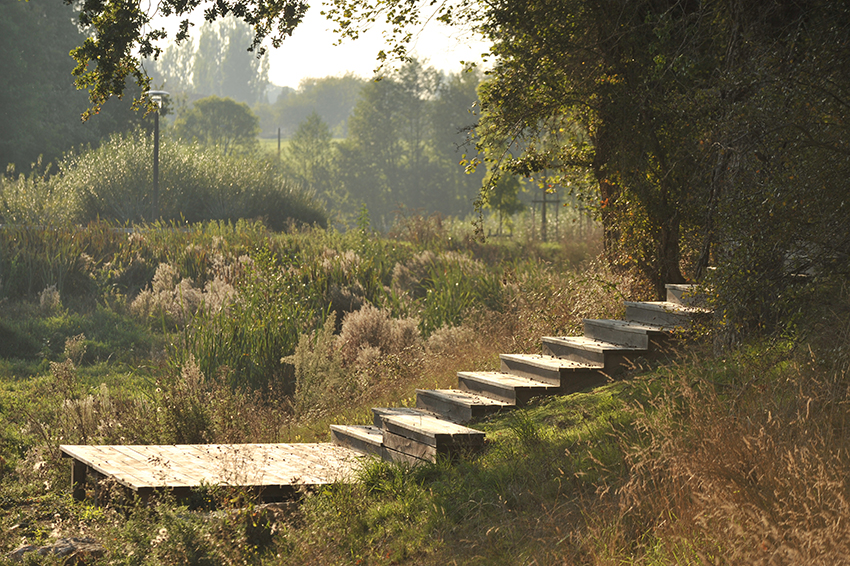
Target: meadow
(230,332)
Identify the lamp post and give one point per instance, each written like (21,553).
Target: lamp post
(158,97)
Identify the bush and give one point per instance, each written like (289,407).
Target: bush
(115,182)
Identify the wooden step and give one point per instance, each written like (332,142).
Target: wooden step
(369,440)
(624,333)
(363,438)
(663,313)
(456,405)
(379,413)
(425,437)
(506,387)
(569,376)
(685,294)
(432,430)
(589,351)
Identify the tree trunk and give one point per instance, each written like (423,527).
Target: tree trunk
(668,256)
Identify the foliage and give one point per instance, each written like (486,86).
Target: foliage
(399,154)
(41,107)
(114,182)
(219,122)
(89,365)
(697,140)
(309,155)
(218,64)
(332,98)
(117,33)
(700,123)
(502,196)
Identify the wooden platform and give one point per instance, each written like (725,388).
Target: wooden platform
(271,470)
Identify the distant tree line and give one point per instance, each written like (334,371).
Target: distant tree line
(218,64)
(406,138)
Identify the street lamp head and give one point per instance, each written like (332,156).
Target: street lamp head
(158,96)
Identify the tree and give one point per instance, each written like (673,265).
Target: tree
(716,129)
(454,115)
(120,36)
(218,64)
(502,196)
(332,98)
(173,71)
(39,106)
(369,158)
(310,156)
(224,67)
(703,123)
(402,147)
(219,122)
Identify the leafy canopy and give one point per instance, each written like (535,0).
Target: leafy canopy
(220,122)
(121,35)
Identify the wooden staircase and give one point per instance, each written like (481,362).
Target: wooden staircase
(567,364)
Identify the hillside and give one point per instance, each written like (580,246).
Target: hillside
(710,455)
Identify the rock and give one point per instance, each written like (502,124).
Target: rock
(74,550)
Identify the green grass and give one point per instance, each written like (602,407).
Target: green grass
(704,457)
(270,145)
(598,477)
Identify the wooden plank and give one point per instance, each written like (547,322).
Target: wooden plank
(216,465)
(159,464)
(432,431)
(379,413)
(159,469)
(126,470)
(410,447)
(79,470)
(265,467)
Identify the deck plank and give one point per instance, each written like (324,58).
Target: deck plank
(144,467)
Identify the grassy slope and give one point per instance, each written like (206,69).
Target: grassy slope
(737,460)
(733,459)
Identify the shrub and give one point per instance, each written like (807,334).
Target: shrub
(34,200)
(320,378)
(115,180)
(244,344)
(374,328)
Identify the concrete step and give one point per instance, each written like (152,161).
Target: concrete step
(663,313)
(590,351)
(456,405)
(685,294)
(567,375)
(507,387)
(624,333)
(365,439)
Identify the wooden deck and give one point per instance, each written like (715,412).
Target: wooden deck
(271,470)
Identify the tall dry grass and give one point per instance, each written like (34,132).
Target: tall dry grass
(743,461)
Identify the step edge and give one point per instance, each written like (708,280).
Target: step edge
(551,362)
(439,393)
(524,382)
(592,344)
(633,327)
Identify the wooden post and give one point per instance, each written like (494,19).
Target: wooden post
(78,479)
(543,217)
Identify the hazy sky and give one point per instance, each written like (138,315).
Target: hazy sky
(310,51)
